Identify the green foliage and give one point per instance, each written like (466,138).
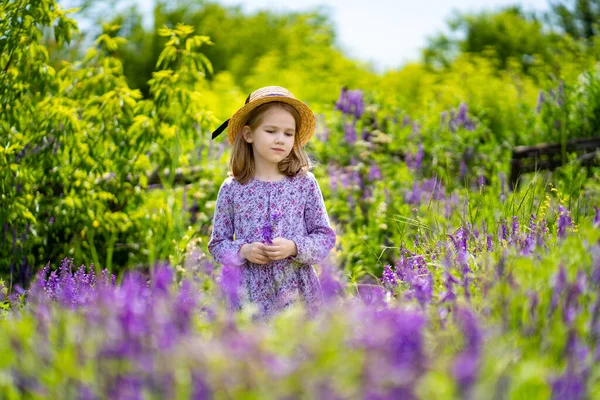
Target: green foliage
(77,143)
(578,18)
(509,37)
(250,48)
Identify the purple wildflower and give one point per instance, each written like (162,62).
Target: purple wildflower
(443,117)
(463,169)
(388,278)
(560,280)
(419,157)
(405,121)
(503,231)
(481,180)
(267,233)
(462,113)
(351,102)
(564,221)
(331,280)
(374,172)
(371,295)
(540,101)
(569,386)
(449,281)
(466,365)
(350,132)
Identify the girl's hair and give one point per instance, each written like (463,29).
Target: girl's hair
(241,163)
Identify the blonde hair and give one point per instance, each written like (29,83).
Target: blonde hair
(241,163)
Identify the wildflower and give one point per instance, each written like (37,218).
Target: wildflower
(449,281)
(443,117)
(540,100)
(267,233)
(561,93)
(351,102)
(374,172)
(569,386)
(268,228)
(462,113)
(564,221)
(463,169)
(332,282)
(560,280)
(416,164)
(388,277)
(350,132)
(481,180)
(504,231)
(467,362)
(405,121)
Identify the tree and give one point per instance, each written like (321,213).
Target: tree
(504,35)
(580,20)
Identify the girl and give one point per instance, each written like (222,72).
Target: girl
(270,219)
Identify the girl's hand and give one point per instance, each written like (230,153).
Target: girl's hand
(255,253)
(280,249)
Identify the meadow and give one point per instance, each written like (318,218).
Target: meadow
(444,283)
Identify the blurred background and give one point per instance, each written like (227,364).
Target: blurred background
(386,34)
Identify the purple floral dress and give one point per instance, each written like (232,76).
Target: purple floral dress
(258,211)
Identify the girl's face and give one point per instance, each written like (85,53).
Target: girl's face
(273,140)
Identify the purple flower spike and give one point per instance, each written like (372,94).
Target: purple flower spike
(466,364)
(350,132)
(570,386)
(332,281)
(405,121)
(564,222)
(267,233)
(443,117)
(540,101)
(388,277)
(351,102)
(463,169)
(462,113)
(371,295)
(374,172)
(163,277)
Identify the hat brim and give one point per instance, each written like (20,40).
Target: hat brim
(307,117)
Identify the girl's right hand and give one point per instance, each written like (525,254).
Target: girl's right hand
(255,253)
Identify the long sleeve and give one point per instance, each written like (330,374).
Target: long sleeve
(314,247)
(222,245)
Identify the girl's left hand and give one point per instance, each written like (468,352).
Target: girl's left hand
(280,249)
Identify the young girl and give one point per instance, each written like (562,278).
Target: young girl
(270,219)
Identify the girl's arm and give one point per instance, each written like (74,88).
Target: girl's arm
(223,248)
(314,247)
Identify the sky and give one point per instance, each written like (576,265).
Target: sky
(387,33)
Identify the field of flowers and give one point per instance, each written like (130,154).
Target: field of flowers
(481,313)
(444,283)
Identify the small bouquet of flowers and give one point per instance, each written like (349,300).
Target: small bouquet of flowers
(269,227)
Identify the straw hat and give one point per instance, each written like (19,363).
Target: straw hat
(264,95)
